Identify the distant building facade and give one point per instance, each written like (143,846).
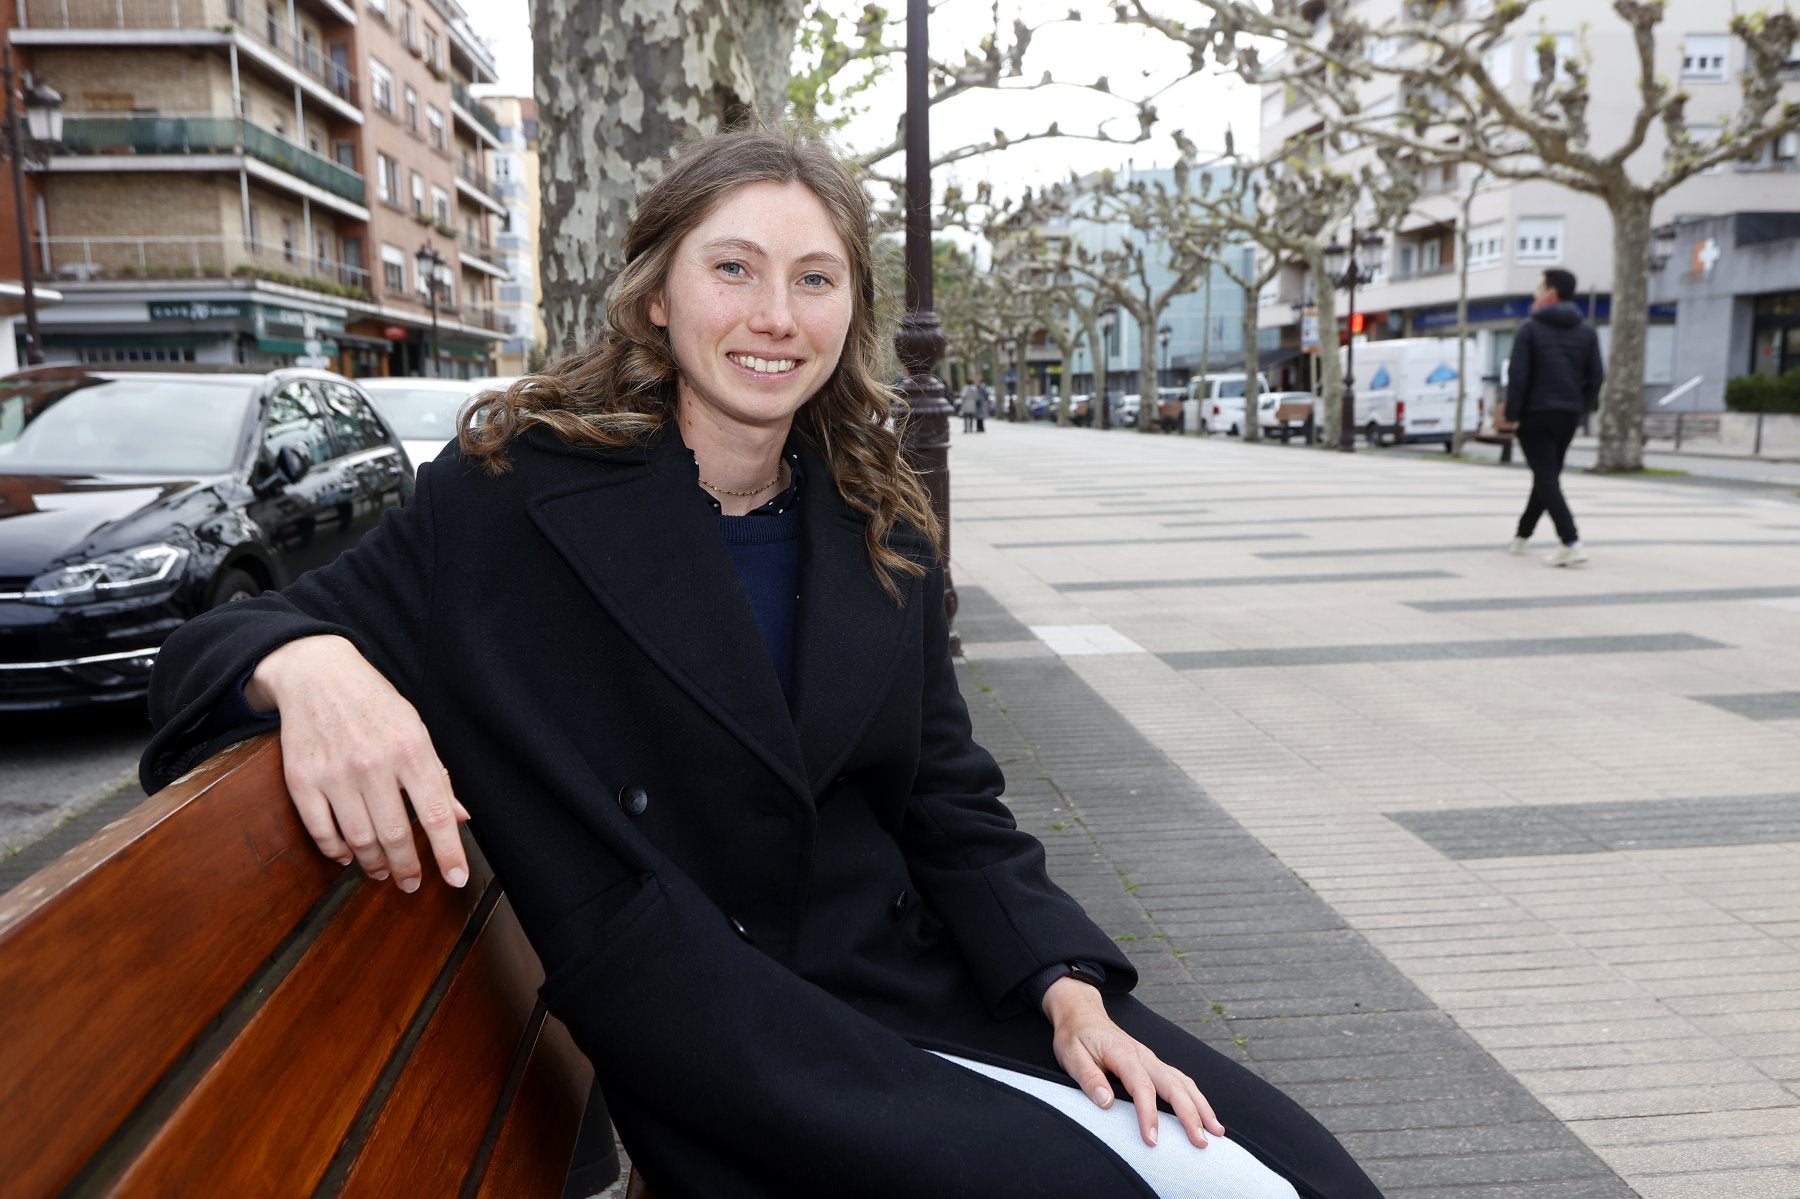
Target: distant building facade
(516,178)
(263,183)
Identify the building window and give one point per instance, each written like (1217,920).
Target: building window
(412,111)
(393,267)
(255,228)
(1703,57)
(434,127)
(1498,63)
(1565,50)
(378,7)
(387,178)
(344,152)
(418,194)
(434,49)
(409,29)
(287,239)
(1539,240)
(381,86)
(271,25)
(440,205)
(1487,245)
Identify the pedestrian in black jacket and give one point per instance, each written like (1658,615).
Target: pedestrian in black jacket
(1553,378)
(668,622)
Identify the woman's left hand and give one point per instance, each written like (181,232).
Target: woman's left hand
(1089,1046)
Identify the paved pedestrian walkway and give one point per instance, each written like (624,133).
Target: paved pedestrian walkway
(1495,866)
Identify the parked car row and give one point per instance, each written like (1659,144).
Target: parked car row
(131,501)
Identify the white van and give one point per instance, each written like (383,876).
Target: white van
(1221,408)
(1406,390)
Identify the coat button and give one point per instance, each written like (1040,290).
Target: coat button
(900,904)
(737,926)
(634,799)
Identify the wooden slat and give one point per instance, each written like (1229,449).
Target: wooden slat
(80,1044)
(531,1156)
(268,1115)
(439,1110)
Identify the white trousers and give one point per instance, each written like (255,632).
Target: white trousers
(1174,1168)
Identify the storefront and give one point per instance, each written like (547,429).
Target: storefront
(105,329)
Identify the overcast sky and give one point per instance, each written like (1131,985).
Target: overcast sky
(1134,61)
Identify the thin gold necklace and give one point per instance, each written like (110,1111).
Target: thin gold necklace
(742,494)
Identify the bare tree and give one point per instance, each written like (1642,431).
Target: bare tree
(1454,109)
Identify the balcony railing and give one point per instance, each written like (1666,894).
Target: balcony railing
(487,318)
(151,134)
(241,15)
(1402,274)
(474,108)
(477,179)
(103,259)
(478,246)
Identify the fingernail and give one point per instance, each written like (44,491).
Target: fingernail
(409,885)
(344,861)
(1151,1139)
(380,876)
(1101,1097)
(457,876)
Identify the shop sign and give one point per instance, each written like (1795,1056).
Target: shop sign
(394,333)
(200,310)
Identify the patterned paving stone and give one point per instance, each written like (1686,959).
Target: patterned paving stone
(1535,830)
(1758,705)
(1435,651)
(1610,599)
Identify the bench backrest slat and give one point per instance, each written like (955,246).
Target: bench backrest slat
(443,1105)
(533,1148)
(134,902)
(196,1003)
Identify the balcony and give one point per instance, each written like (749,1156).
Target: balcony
(195,19)
(477,111)
(492,319)
(88,135)
(475,183)
(1402,274)
(124,258)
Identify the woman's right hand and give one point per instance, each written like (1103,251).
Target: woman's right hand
(355,752)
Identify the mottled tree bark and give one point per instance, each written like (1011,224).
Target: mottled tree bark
(619,84)
(1331,365)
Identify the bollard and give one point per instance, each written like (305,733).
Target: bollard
(1756,450)
(1678,431)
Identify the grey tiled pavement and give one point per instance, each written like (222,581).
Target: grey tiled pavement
(1496,867)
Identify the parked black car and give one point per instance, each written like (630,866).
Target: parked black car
(130,501)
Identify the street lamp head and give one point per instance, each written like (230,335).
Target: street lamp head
(1163,335)
(1371,241)
(1107,317)
(1335,255)
(43,112)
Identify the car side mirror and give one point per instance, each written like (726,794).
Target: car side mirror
(291,463)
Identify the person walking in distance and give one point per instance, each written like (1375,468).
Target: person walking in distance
(1552,379)
(967,403)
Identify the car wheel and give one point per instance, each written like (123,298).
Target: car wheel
(233,585)
(1372,431)
(1233,431)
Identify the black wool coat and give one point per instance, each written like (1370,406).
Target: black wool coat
(751,917)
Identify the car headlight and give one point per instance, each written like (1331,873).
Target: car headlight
(140,571)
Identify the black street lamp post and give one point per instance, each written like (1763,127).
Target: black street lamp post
(920,408)
(1347,269)
(1103,366)
(1163,336)
(43,113)
(430,262)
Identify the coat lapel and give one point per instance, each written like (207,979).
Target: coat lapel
(635,530)
(848,632)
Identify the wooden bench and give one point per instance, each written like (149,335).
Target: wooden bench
(196,1003)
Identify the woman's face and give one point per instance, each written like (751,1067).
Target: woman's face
(757,303)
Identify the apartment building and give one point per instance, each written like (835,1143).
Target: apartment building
(516,178)
(212,200)
(1517,229)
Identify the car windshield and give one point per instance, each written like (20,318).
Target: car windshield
(423,413)
(138,426)
(1231,389)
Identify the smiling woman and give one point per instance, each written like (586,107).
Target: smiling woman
(671,635)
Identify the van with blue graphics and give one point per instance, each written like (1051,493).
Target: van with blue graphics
(1406,390)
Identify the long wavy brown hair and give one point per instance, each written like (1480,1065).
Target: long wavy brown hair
(620,389)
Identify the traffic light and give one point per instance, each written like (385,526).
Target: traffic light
(1356,323)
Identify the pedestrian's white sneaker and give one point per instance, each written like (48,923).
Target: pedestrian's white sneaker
(1518,545)
(1567,555)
